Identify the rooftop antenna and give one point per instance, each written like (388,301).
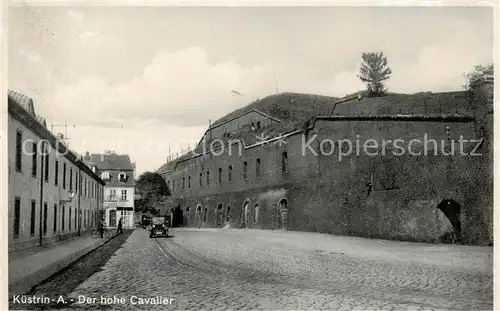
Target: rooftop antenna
(65,138)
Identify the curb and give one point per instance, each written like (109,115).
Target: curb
(30,282)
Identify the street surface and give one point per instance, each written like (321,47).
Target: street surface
(214,269)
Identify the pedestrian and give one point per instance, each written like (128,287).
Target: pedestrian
(120,230)
(101,228)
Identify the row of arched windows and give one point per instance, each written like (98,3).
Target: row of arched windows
(187,184)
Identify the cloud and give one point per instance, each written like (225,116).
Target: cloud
(75,15)
(184,88)
(31,57)
(85,35)
(181,88)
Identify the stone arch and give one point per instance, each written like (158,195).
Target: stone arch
(198,215)
(219,216)
(205,215)
(453,211)
(178,217)
(228,213)
(246,207)
(282,213)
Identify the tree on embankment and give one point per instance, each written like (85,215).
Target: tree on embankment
(374,70)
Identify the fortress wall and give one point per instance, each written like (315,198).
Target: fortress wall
(423,104)
(325,194)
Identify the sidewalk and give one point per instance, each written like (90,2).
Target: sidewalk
(29,268)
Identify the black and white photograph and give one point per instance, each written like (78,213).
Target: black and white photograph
(248,156)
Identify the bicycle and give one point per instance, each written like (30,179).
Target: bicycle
(97,234)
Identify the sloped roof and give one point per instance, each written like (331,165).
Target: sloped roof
(296,110)
(282,106)
(27,103)
(112,162)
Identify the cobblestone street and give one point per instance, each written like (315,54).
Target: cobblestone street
(251,269)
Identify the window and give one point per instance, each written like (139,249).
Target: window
(201,179)
(257,168)
(258,125)
(55,217)
(17,214)
(85,189)
(124,195)
(62,218)
(45,214)
(208,178)
(205,215)
(173,185)
(183,182)
(33,217)
(256,211)
(189,181)
(284,163)
(220,175)
(70,179)
(112,194)
(56,173)
(19,151)
(122,177)
(64,175)
(69,222)
(46,165)
(34,159)
(76,182)
(105,175)
(245,170)
(230,173)
(76,217)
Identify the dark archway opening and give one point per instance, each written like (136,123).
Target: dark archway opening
(220,216)
(244,223)
(198,216)
(282,214)
(228,213)
(452,210)
(178,219)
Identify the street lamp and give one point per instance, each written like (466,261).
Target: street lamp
(71,195)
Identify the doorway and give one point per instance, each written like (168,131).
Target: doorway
(219,216)
(283,214)
(112,218)
(452,210)
(245,215)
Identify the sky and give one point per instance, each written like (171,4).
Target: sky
(145,81)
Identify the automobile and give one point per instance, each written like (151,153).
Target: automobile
(158,228)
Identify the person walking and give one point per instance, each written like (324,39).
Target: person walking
(101,228)
(119,230)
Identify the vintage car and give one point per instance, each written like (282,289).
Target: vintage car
(158,228)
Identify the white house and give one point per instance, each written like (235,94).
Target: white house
(118,172)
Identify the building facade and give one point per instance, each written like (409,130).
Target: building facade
(53,195)
(286,164)
(118,172)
